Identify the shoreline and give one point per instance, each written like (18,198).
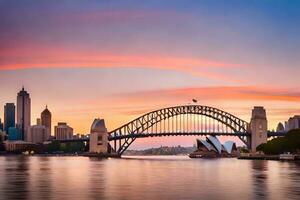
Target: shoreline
(85,154)
(93,155)
(269,157)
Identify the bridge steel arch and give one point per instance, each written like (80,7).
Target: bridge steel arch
(125,135)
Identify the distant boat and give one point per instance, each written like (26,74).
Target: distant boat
(195,155)
(286,156)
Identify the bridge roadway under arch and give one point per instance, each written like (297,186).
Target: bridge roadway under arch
(270,134)
(145,135)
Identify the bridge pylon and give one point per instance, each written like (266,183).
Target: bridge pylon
(99,137)
(258,127)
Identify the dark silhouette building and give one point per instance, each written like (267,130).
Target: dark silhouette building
(9,116)
(23,113)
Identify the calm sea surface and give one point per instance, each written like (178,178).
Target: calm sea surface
(158,178)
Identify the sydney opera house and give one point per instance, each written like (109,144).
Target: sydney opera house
(212,148)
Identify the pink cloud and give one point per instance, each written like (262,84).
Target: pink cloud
(219,93)
(54,49)
(36,56)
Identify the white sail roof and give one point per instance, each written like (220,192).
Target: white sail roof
(215,142)
(207,145)
(228,146)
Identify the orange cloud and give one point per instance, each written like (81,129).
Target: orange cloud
(121,108)
(218,93)
(231,99)
(58,57)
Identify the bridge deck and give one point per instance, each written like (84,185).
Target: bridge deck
(144,135)
(276,134)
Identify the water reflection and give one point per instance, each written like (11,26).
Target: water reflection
(15,176)
(293,175)
(146,178)
(97,179)
(260,176)
(40,179)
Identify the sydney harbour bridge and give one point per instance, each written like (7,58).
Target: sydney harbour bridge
(186,120)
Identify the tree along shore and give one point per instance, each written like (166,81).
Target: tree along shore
(289,143)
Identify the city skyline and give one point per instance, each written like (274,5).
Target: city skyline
(119,60)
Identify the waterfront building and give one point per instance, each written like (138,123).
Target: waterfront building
(46,121)
(9,116)
(293,123)
(212,147)
(23,113)
(18,146)
(14,134)
(205,147)
(230,147)
(98,137)
(62,131)
(37,133)
(215,143)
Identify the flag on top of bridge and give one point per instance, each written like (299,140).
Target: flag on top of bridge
(195,101)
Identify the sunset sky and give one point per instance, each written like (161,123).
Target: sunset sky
(119,59)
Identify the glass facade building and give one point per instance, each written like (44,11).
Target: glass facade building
(9,116)
(14,134)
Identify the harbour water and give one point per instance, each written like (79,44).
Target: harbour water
(149,177)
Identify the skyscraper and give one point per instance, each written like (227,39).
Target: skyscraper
(9,116)
(46,121)
(23,113)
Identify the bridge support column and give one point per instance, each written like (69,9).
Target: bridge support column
(98,137)
(258,127)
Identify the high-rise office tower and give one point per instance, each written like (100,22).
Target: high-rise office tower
(46,121)
(9,116)
(23,113)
